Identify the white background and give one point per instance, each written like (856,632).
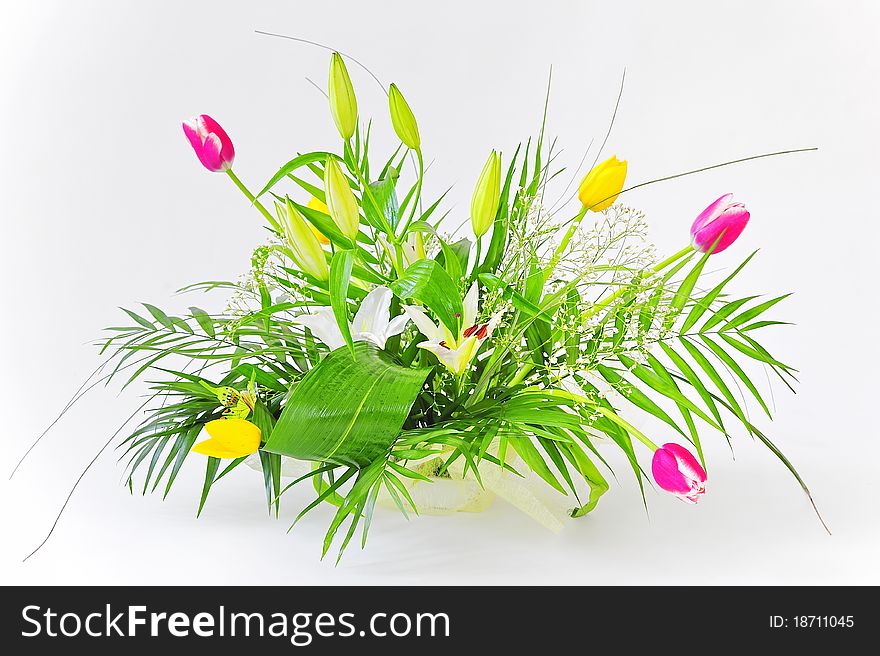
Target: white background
(104,204)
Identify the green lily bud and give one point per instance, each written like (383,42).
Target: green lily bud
(306,250)
(341,202)
(343,103)
(402,119)
(484,204)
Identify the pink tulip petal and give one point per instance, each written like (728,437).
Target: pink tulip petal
(227,151)
(732,221)
(664,467)
(687,463)
(710,213)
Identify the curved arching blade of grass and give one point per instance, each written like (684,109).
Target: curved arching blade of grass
(347,410)
(293,165)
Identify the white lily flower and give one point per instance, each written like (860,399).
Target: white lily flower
(455,351)
(372,322)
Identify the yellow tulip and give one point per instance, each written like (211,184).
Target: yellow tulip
(402,119)
(318,205)
(343,104)
(603,184)
(341,202)
(487,193)
(229,438)
(304,245)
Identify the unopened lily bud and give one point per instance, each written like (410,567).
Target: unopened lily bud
(341,202)
(306,250)
(484,204)
(343,103)
(402,119)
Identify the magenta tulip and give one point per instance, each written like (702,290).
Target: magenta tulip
(211,143)
(722,216)
(678,472)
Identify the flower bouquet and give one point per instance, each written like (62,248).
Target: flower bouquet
(373,355)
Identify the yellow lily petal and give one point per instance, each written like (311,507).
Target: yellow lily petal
(316,204)
(230,438)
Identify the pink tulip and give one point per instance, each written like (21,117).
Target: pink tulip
(721,216)
(678,472)
(211,143)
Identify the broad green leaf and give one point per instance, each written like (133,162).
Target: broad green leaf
(386,201)
(204,320)
(347,410)
(426,281)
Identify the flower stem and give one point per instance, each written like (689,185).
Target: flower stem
(253,200)
(477,256)
(521,374)
(416,197)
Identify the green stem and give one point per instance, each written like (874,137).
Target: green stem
(575,222)
(521,374)
(253,200)
(477,257)
(417,196)
(672,258)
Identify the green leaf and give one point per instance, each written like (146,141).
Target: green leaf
(204,320)
(724,312)
(340,273)
(519,301)
(428,282)
(386,201)
(347,410)
(292,165)
(706,302)
(597,483)
(683,293)
(160,316)
(748,315)
(210,473)
(722,355)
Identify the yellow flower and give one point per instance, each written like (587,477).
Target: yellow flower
(303,244)
(229,438)
(603,184)
(341,202)
(487,193)
(318,205)
(402,119)
(343,104)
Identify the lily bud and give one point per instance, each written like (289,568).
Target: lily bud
(402,119)
(343,103)
(722,216)
(212,145)
(603,184)
(484,204)
(307,251)
(341,202)
(317,204)
(678,472)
